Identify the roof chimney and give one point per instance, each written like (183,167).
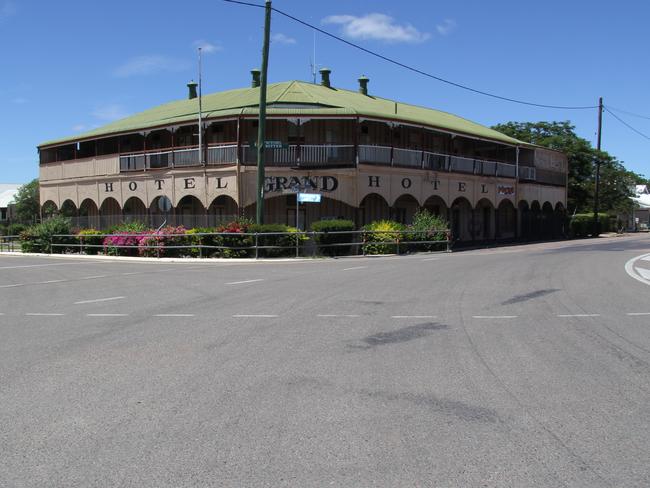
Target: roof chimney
(255,83)
(325,77)
(363,84)
(192,89)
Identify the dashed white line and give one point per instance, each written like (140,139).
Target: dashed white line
(636,314)
(174,315)
(49,281)
(412,316)
(356,267)
(262,316)
(107,315)
(36,314)
(494,316)
(33,265)
(12,286)
(93,277)
(132,273)
(244,281)
(335,315)
(579,315)
(96,300)
(430,259)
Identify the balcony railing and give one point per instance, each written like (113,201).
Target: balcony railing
(226,154)
(326,155)
(331,155)
(375,155)
(408,158)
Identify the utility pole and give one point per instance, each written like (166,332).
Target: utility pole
(597,189)
(261,129)
(200,115)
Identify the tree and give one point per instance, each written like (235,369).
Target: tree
(27,202)
(616,181)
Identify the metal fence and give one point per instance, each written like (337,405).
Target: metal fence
(9,243)
(254,244)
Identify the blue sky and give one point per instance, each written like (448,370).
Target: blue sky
(73,65)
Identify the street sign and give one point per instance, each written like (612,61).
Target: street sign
(309,197)
(271,145)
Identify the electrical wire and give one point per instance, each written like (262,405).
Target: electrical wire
(626,124)
(411,68)
(628,113)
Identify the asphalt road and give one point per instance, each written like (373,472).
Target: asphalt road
(522,366)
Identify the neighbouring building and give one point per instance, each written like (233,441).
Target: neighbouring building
(369,157)
(8,192)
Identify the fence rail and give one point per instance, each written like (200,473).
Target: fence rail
(254,244)
(9,243)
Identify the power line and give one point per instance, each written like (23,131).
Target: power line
(626,124)
(411,68)
(629,113)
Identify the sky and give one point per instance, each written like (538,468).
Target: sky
(71,65)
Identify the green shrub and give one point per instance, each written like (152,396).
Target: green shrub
(89,238)
(14,229)
(286,243)
(427,227)
(582,225)
(38,238)
(381,237)
(135,227)
(234,242)
(324,241)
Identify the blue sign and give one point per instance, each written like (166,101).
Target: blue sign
(309,197)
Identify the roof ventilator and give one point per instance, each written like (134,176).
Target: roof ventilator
(363,85)
(192,90)
(325,77)
(255,82)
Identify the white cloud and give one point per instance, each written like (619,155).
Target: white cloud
(111,111)
(146,65)
(207,47)
(378,27)
(281,38)
(447,26)
(7,9)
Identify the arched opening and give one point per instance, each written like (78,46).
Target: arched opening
(536,220)
(110,213)
(222,210)
(373,207)
(560,223)
(525,223)
(437,206)
(327,209)
(160,211)
(484,220)
(461,219)
(68,209)
(190,213)
(88,214)
(404,208)
(135,210)
(547,222)
(506,220)
(48,209)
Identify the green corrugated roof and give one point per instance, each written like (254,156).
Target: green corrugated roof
(328,101)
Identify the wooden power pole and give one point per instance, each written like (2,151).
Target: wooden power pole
(597,189)
(261,129)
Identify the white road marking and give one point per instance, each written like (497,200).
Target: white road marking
(107,315)
(356,267)
(630,269)
(45,314)
(174,315)
(645,273)
(245,281)
(412,316)
(262,316)
(49,281)
(635,314)
(334,315)
(430,259)
(494,316)
(12,286)
(580,315)
(132,273)
(109,299)
(93,277)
